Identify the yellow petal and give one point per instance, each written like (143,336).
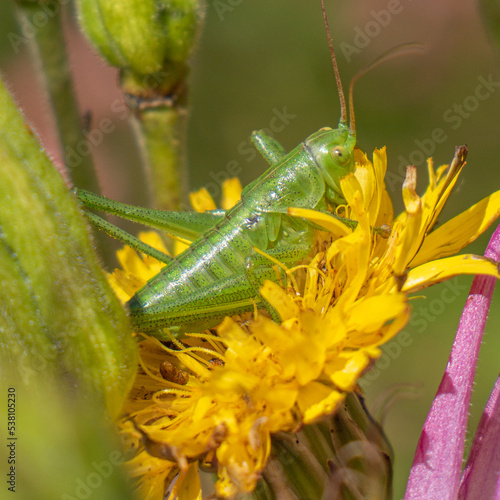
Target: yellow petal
(410,197)
(436,271)
(411,233)
(231,332)
(355,251)
(325,407)
(328,222)
(317,399)
(366,178)
(125,284)
(154,471)
(381,199)
(180,246)
(380,164)
(346,369)
(231,193)
(190,488)
(434,198)
(360,158)
(280,300)
(154,239)
(386,210)
(459,231)
(353,194)
(372,313)
(132,262)
(201,201)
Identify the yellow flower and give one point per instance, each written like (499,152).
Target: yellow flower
(215,400)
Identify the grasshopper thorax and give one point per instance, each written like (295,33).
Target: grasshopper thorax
(333,152)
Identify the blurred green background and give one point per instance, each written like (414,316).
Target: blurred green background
(260,59)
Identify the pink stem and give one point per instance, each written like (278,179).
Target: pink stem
(436,468)
(479,479)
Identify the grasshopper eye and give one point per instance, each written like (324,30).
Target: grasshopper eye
(340,155)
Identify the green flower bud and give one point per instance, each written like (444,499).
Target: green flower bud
(143,36)
(344,456)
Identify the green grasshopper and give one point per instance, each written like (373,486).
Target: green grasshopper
(222,270)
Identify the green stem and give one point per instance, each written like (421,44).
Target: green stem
(490,11)
(163,133)
(161,119)
(48,49)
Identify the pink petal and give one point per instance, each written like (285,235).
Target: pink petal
(435,472)
(479,479)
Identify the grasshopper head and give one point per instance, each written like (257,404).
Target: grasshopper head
(333,152)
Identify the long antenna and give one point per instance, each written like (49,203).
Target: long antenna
(343,108)
(391,54)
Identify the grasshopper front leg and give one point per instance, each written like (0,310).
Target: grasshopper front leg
(270,149)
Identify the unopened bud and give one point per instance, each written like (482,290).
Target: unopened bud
(143,36)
